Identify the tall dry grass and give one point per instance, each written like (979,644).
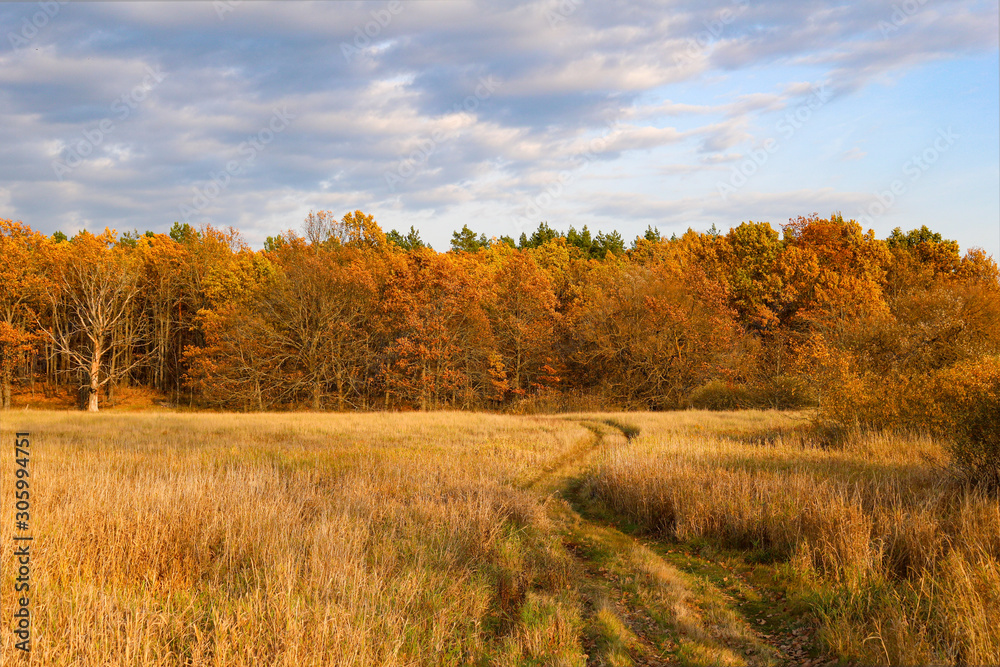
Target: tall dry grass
(902,564)
(167,539)
(430,539)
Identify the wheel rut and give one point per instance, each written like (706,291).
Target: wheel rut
(639,608)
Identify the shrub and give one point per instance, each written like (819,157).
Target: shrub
(959,404)
(720,395)
(785,392)
(966,407)
(780,393)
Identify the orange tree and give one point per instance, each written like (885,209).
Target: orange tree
(648,335)
(22,285)
(439,354)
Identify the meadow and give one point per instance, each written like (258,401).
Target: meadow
(450,538)
(898,561)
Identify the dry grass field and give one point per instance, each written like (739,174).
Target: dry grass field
(461,538)
(899,563)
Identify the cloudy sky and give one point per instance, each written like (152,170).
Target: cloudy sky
(617,115)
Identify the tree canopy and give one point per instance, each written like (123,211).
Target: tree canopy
(340,315)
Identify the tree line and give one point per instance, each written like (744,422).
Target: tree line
(340,315)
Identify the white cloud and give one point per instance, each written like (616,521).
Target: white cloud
(637,90)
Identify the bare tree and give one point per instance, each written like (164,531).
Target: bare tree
(94,306)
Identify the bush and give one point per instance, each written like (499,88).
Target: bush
(967,410)
(721,395)
(780,393)
(959,404)
(785,392)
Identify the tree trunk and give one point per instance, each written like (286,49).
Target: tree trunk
(95,377)
(5,388)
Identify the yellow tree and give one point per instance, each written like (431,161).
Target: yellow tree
(831,271)
(21,287)
(164,261)
(750,261)
(353,229)
(239,363)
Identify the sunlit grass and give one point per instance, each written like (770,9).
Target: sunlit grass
(460,538)
(901,562)
(292,540)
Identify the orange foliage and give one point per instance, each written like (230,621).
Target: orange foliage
(343,317)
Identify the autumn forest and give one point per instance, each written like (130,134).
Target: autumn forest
(342,316)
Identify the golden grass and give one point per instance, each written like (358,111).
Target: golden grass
(453,538)
(168,539)
(901,563)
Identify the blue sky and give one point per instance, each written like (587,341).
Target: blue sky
(615,115)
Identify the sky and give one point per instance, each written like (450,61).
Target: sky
(436,114)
